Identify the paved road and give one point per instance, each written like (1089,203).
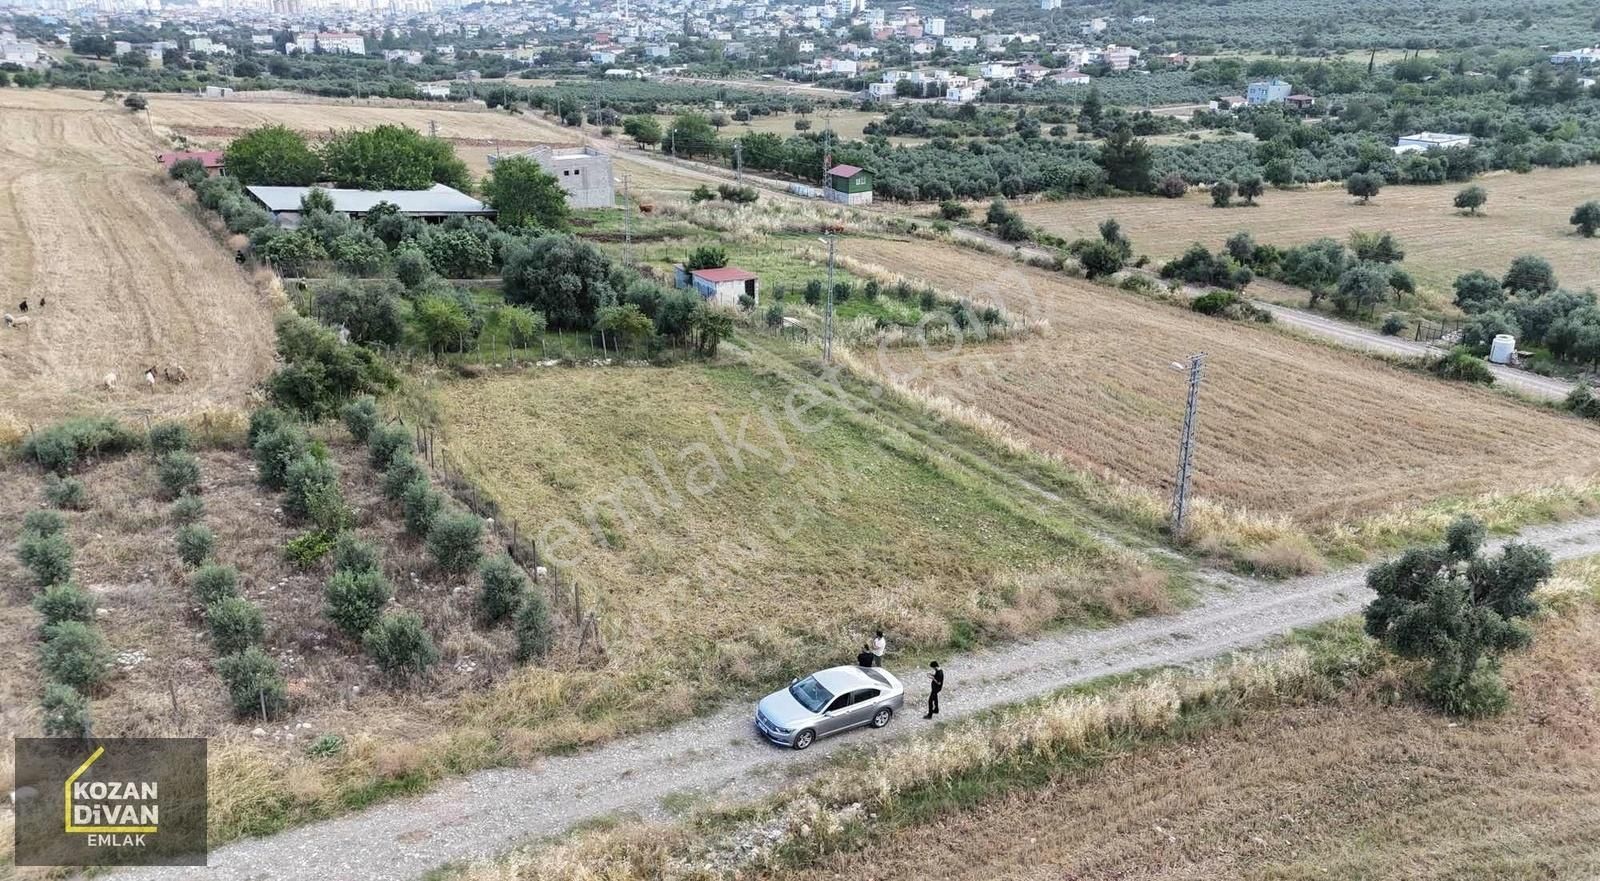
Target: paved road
(488,812)
(1357,337)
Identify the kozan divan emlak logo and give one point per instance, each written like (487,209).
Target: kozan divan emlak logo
(111,802)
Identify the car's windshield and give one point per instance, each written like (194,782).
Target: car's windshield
(810,693)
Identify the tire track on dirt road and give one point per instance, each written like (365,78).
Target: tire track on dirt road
(490,811)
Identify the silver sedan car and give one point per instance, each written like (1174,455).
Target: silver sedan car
(828,702)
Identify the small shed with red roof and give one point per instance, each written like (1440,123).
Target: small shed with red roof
(848,184)
(210,160)
(722,286)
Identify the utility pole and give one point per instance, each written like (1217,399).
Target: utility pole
(433,128)
(627,233)
(1180,494)
(738,162)
(827,312)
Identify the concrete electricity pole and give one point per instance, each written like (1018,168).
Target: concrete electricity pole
(627,233)
(1180,493)
(738,162)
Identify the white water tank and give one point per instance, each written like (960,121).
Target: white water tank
(1500,350)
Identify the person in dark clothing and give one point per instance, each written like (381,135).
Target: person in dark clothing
(864,658)
(935,685)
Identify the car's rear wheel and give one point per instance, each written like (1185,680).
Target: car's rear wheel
(804,739)
(882,717)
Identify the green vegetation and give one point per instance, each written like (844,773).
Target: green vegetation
(1459,610)
(525,195)
(195,543)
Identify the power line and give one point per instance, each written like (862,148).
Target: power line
(1180,493)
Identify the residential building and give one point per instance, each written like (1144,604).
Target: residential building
(1300,102)
(965,92)
(335,43)
(998,70)
(1423,141)
(434,90)
(1119,57)
(217,92)
(934,27)
(1092,26)
(434,205)
(1049,4)
(583,172)
(960,44)
(1273,91)
(1587,55)
(1071,77)
(849,185)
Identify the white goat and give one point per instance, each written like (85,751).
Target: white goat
(110,381)
(17,320)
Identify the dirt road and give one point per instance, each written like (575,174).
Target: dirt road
(128,275)
(490,811)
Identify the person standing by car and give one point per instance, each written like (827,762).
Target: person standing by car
(879,647)
(864,657)
(935,685)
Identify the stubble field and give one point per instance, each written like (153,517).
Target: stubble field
(131,279)
(1526,214)
(1346,789)
(1287,427)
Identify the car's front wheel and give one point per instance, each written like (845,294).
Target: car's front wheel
(804,739)
(882,717)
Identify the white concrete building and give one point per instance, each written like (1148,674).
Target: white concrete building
(1423,141)
(583,172)
(960,44)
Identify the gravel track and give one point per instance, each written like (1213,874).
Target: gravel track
(490,811)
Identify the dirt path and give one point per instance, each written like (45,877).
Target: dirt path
(490,811)
(129,276)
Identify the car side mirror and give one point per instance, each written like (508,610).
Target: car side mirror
(794,680)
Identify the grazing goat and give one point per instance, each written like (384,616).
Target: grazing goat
(23,305)
(17,321)
(175,374)
(150,376)
(111,381)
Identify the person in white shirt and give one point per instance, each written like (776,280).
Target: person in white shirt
(879,646)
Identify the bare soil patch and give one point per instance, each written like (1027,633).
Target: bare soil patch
(130,277)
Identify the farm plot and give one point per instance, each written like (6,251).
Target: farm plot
(1287,427)
(129,277)
(226,118)
(1350,788)
(1526,214)
(733,566)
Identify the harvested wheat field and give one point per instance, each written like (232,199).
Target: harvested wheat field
(1351,790)
(1526,214)
(129,276)
(213,118)
(1286,427)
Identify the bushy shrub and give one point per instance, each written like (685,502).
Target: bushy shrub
(306,549)
(360,417)
(503,586)
(264,420)
(236,624)
(384,442)
(188,509)
(400,645)
(305,477)
(214,582)
(353,600)
(1462,365)
(1393,324)
(195,543)
(1172,186)
(65,492)
(255,685)
(532,626)
(61,447)
(169,437)
(66,712)
(351,554)
(275,451)
(403,470)
(1582,402)
(43,522)
(48,557)
(75,654)
(63,602)
(1213,303)
(421,503)
(456,540)
(179,473)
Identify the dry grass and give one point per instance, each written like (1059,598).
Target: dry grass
(131,278)
(1288,428)
(872,533)
(211,117)
(1526,214)
(1350,789)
